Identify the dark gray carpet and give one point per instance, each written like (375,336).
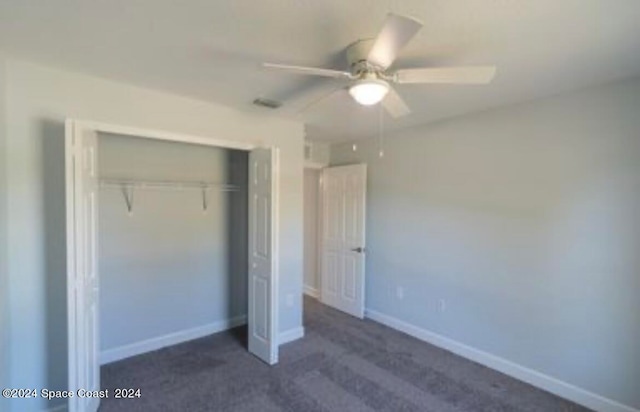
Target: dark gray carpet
(342,364)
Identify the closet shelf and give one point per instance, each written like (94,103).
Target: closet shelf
(170,185)
(128,186)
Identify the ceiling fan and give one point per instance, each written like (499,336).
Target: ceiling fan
(369,61)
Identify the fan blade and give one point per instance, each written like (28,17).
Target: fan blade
(394,105)
(313,71)
(396,32)
(455,75)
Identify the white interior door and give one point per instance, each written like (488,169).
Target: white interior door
(82,276)
(263,270)
(343,238)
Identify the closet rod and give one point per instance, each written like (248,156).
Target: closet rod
(128,187)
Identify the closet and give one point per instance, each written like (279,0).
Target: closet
(169,237)
(172,242)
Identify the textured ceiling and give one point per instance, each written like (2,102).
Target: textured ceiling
(212,50)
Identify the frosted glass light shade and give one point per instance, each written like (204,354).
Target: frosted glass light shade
(369,92)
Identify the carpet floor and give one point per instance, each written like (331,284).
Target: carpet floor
(342,364)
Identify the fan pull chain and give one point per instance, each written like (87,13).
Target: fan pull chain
(380,131)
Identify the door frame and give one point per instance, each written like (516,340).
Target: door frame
(316,290)
(75,129)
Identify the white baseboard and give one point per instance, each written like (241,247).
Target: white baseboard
(535,378)
(160,342)
(291,335)
(126,351)
(311,291)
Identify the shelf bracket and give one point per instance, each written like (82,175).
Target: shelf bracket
(205,200)
(127,193)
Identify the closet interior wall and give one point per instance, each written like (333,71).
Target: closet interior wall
(171,261)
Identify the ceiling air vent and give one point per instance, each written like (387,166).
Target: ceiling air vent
(268,103)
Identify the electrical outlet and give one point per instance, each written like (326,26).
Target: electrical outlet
(442,305)
(289,300)
(400,292)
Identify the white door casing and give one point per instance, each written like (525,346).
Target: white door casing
(82,272)
(343,238)
(81,153)
(263,249)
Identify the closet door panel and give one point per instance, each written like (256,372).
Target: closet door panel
(262,249)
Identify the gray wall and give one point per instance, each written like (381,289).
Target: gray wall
(311,187)
(4,267)
(169,266)
(525,221)
(39,100)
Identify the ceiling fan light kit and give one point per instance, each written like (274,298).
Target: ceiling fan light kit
(369,61)
(368,92)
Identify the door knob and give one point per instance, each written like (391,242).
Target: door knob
(358,249)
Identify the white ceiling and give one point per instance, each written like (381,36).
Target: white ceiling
(212,50)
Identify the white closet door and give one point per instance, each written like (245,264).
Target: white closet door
(343,238)
(262,319)
(82,273)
